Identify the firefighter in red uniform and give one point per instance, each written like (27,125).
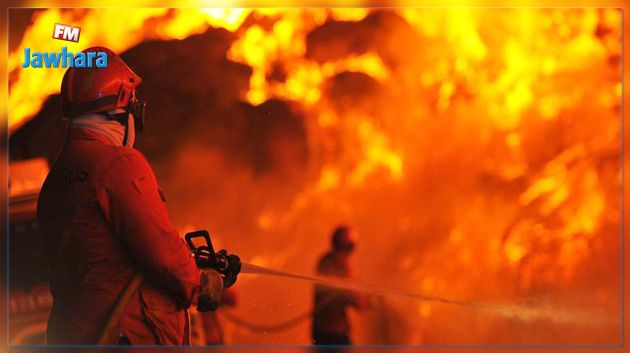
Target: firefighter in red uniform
(331,325)
(102,218)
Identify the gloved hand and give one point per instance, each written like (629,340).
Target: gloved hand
(211,290)
(232,267)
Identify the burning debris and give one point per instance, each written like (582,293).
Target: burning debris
(475,151)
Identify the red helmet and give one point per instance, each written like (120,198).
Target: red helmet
(92,89)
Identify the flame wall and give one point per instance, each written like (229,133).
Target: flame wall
(476,151)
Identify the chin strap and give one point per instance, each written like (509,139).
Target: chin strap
(126,135)
(123,119)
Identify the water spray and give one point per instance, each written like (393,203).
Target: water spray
(347,284)
(528,310)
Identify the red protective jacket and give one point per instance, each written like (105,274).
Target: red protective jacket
(102,218)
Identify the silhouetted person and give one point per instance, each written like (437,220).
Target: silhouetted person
(331,325)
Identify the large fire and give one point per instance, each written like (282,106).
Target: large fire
(476,151)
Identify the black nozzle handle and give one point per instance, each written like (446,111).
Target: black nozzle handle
(198,234)
(204,254)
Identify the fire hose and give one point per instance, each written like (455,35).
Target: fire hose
(110,330)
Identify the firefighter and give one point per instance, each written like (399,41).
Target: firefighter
(103,218)
(331,325)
